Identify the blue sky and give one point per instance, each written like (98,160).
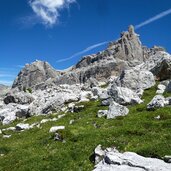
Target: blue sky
(53,30)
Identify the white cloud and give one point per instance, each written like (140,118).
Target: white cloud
(156,17)
(83,51)
(49,10)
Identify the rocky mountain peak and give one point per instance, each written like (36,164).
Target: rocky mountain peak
(33,74)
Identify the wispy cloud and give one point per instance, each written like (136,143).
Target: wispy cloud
(49,10)
(83,51)
(156,17)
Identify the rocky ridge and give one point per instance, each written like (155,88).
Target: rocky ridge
(116,76)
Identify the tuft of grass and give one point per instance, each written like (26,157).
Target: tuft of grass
(36,150)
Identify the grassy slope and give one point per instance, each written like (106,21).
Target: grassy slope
(35,150)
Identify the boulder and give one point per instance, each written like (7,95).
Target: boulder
(160,89)
(7,116)
(22,111)
(124,95)
(162,70)
(136,79)
(22,126)
(116,110)
(56,128)
(113,160)
(157,102)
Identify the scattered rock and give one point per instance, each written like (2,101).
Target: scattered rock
(168,100)
(71,121)
(9,129)
(56,128)
(7,116)
(6,136)
(61,116)
(58,137)
(157,102)
(115,110)
(48,120)
(102,113)
(157,117)
(161,89)
(99,154)
(167,159)
(22,126)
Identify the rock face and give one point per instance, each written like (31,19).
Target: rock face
(126,52)
(19,98)
(124,96)
(162,70)
(136,79)
(34,74)
(112,160)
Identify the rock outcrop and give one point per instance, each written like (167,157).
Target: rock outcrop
(124,96)
(136,79)
(34,74)
(110,160)
(157,102)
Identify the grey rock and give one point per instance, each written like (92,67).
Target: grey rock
(167,159)
(22,112)
(7,116)
(19,98)
(22,126)
(53,99)
(56,128)
(161,89)
(71,121)
(168,100)
(124,95)
(102,113)
(116,110)
(157,102)
(106,102)
(162,70)
(99,154)
(168,86)
(58,137)
(136,79)
(6,136)
(33,74)
(129,161)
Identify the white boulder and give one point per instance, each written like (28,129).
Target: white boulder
(56,128)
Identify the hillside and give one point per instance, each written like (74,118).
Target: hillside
(92,116)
